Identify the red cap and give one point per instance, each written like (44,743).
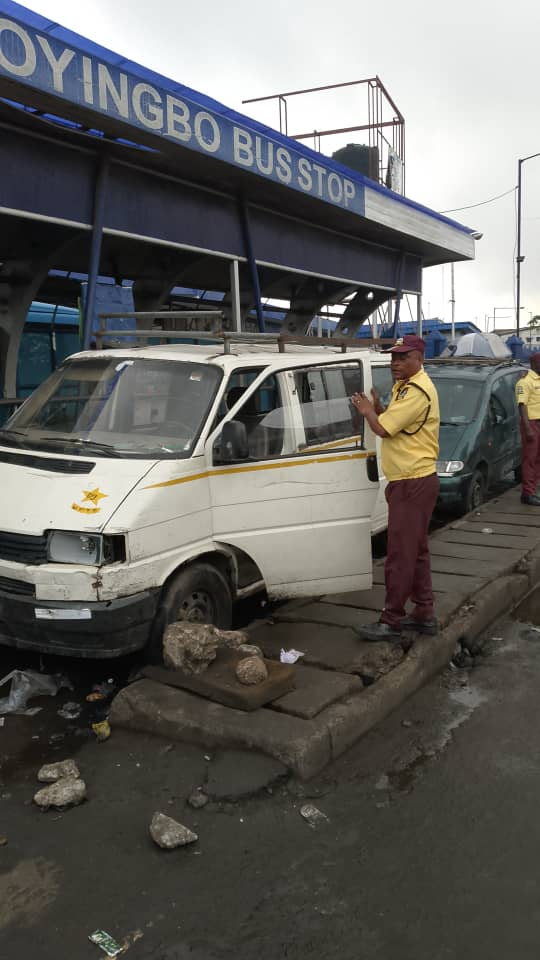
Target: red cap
(407,343)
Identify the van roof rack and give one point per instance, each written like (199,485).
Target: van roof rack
(474,361)
(227,336)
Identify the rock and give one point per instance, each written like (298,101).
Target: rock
(377,659)
(198,798)
(168,833)
(67,792)
(51,772)
(250,650)
(252,670)
(191,647)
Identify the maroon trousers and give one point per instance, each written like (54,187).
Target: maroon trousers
(407,570)
(530,459)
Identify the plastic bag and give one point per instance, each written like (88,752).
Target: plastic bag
(26,684)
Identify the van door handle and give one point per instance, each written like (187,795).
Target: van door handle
(372,468)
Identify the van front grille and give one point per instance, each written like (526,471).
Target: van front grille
(23,548)
(19,587)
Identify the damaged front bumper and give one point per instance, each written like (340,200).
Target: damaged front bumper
(110,628)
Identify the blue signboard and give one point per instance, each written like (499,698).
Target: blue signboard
(40,60)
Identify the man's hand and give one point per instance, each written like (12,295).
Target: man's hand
(361,403)
(379,408)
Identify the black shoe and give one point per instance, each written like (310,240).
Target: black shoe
(429,627)
(378,631)
(531,500)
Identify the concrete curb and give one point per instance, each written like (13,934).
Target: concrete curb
(307,746)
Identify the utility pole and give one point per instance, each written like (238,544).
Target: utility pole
(519,258)
(453,302)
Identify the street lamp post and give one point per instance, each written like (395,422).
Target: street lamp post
(495,315)
(519,258)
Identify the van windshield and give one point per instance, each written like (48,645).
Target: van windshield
(153,409)
(458,399)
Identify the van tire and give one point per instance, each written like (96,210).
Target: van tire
(476,492)
(198,594)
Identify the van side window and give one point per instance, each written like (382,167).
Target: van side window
(263,417)
(502,395)
(382,382)
(324,396)
(237,384)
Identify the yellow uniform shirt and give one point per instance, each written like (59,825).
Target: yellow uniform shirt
(528,393)
(412,420)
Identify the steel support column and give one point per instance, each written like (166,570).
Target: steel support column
(95,248)
(252,263)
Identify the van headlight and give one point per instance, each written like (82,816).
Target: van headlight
(92,549)
(447,468)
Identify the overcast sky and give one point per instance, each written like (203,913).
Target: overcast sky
(463,74)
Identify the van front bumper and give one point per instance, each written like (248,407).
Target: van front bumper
(110,628)
(453,490)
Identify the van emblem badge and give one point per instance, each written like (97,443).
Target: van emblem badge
(89,496)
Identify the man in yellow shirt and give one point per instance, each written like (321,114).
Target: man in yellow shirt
(409,428)
(528,398)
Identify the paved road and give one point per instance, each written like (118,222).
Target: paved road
(430,850)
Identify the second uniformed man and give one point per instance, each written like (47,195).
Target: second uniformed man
(528,398)
(409,428)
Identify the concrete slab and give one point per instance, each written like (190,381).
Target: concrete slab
(329,647)
(455,584)
(315,690)
(441,548)
(467,567)
(497,528)
(300,745)
(486,518)
(482,539)
(366,599)
(325,613)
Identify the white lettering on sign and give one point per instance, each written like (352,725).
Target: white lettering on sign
(107,88)
(150,110)
(242,145)
(304,174)
(283,165)
(49,65)
(58,64)
(261,146)
(28,65)
(211,143)
(349,191)
(178,119)
(88,80)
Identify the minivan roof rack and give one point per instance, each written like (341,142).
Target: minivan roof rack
(227,336)
(473,361)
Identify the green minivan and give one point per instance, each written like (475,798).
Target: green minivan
(479,438)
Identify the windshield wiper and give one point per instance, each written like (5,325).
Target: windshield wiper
(12,433)
(95,445)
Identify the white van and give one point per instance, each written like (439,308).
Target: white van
(144,485)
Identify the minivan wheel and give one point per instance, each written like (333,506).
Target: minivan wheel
(198,594)
(475,493)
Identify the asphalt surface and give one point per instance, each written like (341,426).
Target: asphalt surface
(430,850)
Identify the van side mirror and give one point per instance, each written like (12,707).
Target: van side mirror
(232,444)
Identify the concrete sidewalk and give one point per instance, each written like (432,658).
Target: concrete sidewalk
(482,565)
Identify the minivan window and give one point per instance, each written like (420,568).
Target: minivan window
(114,406)
(324,395)
(458,399)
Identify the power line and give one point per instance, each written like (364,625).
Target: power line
(481,204)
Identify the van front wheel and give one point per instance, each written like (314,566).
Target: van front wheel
(198,594)
(476,492)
